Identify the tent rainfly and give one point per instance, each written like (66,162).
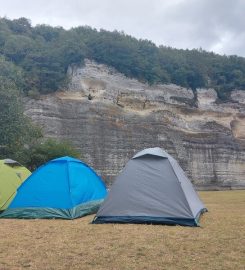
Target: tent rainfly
(152,189)
(62,188)
(12,175)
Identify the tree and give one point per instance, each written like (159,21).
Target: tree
(16,130)
(20,26)
(17,47)
(43,53)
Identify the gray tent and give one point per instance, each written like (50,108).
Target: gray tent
(152,188)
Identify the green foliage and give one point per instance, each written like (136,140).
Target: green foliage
(45,151)
(11,73)
(43,54)
(16,130)
(19,138)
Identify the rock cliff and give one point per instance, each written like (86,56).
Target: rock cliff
(109,117)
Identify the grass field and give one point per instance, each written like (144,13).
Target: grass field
(60,244)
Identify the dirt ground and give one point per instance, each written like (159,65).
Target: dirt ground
(77,244)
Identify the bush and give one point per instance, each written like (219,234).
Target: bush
(42,152)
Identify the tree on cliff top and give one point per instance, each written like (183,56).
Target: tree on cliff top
(44,54)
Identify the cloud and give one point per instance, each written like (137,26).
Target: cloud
(214,25)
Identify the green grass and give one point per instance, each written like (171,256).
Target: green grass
(61,244)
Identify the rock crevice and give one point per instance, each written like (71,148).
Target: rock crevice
(109,117)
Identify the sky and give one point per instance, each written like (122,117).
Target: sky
(213,25)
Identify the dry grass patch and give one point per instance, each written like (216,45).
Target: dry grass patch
(60,244)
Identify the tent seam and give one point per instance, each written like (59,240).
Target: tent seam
(69,182)
(181,188)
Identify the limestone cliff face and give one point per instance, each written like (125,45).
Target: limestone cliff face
(110,117)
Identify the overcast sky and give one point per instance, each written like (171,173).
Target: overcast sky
(214,25)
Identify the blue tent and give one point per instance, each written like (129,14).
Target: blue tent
(62,188)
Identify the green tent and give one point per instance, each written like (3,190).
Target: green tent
(12,175)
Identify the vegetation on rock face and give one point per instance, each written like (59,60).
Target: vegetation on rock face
(34,61)
(15,128)
(19,137)
(43,54)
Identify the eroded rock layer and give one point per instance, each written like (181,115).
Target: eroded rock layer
(109,117)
